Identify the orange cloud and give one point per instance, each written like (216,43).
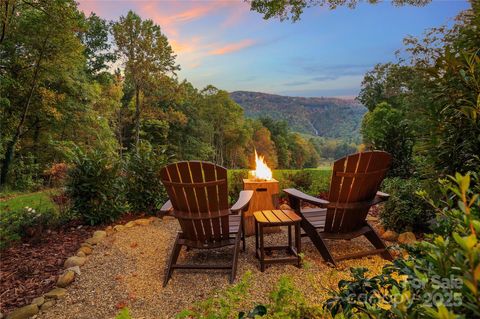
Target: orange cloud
(233,47)
(185,46)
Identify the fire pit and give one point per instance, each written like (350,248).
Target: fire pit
(265,193)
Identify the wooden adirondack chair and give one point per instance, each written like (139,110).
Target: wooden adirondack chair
(353,190)
(199,200)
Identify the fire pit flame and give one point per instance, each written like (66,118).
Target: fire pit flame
(262,171)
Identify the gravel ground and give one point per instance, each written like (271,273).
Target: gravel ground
(127,270)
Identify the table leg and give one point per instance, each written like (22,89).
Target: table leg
(298,243)
(262,249)
(289,237)
(256,239)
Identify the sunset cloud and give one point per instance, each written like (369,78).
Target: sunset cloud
(233,47)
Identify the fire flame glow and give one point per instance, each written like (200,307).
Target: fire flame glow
(262,171)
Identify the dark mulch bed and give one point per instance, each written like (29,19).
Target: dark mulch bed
(29,268)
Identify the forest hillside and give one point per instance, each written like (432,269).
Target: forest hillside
(319,116)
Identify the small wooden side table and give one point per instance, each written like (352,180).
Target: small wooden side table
(273,218)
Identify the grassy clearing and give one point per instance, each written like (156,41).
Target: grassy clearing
(40,201)
(16,221)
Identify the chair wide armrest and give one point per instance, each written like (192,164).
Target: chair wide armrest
(292,192)
(242,202)
(166,208)
(381,197)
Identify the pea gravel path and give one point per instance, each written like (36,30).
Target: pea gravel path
(127,270)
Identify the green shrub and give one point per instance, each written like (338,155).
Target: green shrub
(286,302)
(223,306)
(439,279)
(123,314)
(95,186)
(144,189)
(17,223)
(301,180)
(405,210)
(235,183)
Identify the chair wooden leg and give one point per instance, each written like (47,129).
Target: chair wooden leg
(376,241)
(242,228)
(235,256)
(318,241)
(172,260)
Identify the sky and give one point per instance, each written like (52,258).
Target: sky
(326,53)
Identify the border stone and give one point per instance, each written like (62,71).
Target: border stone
(56,293)
(38,301)
(24,312)
(47,305)
(66,279)
(74,261)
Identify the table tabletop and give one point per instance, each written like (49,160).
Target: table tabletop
(276,217)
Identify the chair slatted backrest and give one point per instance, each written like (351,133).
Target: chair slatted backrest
(355,179)
(199,195)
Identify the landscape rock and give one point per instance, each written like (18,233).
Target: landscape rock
(74,261)
(109,230)
(142,222)
(130,224)
(100,234)
(24,312)
(56,293)
(66,279)
(75,269)
(38,301)
(86,245)
(118,227)
(81,254)
(47,305)
(93,240)
(407,238)
(285,207)
(390,235)
(85,249)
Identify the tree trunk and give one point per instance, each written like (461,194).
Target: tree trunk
(137,117)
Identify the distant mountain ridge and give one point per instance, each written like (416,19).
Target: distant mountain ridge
(321,116)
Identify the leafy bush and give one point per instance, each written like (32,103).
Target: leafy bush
(289,303)
(95,186)
(405,210)
(144,189)
(301,180)
(235,183)
(123,314)
(286,302)
(26,221)
(439,279)
(223,306)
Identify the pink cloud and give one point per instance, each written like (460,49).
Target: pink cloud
(88,6)
(233,47)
